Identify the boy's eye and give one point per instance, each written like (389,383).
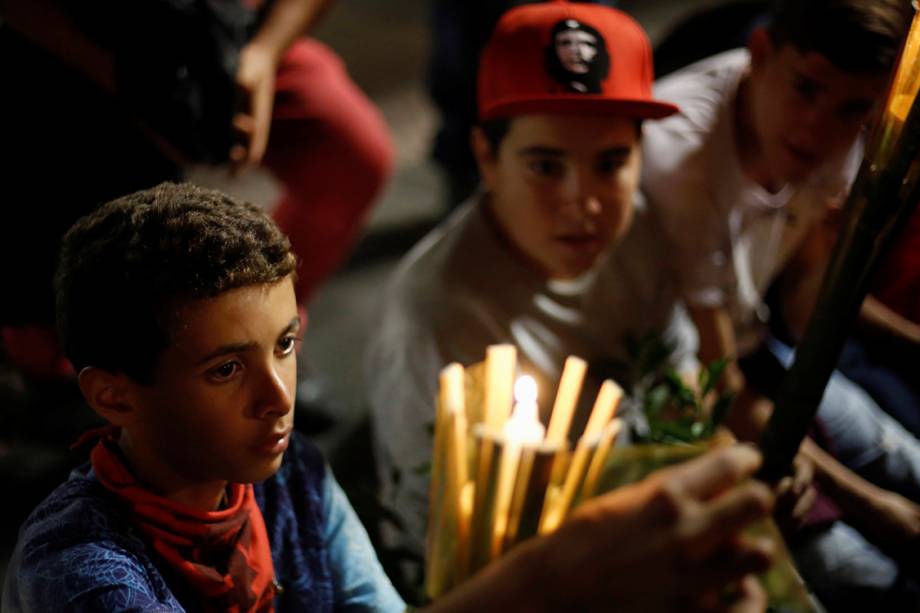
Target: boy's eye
(546,167)
(857,110)
(610,165)
(806,88)
(287,344)
(225,371)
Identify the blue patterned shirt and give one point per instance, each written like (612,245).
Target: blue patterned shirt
(78,550)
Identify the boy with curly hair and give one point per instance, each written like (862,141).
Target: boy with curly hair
(177,307)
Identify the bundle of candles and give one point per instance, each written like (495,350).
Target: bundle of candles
(498,475)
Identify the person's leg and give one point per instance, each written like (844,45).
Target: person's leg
(331,150)
(846,572)
(887,388)
(69,147)
(862,436)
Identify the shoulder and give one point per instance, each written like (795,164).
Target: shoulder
(700,88)
(437,289)
(704,91)
(78,551)
(426,272)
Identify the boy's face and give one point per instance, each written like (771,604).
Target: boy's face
(561,187)
(806,111)
(220,406)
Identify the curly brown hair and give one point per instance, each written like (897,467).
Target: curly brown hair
(126,267)
(859,36)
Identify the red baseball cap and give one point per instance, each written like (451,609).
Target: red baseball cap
(564,58)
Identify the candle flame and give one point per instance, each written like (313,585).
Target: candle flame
(524,425)
(525,390)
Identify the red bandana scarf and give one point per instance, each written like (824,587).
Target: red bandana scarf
(224,555)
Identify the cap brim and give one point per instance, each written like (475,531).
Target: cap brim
(579,104)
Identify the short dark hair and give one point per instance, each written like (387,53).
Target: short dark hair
(126,267)
(495,131)
(859,36)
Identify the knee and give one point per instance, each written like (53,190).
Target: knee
(336,119)
(365,141)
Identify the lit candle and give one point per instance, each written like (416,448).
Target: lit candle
(522,429)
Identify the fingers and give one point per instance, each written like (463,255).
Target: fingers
(804,475)
(723,517)
(261,121)
(750,597)
(716,471)
(252,129)
(243,125)
(785,496)
(795,496)
(804,504)
(729,563)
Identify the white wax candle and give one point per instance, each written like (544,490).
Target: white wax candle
(524,427)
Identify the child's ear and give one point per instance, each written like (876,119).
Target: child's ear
(108,394)
(486,159)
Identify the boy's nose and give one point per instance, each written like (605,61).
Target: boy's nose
(592,205)
(816,125)
(581,196)
(275,395)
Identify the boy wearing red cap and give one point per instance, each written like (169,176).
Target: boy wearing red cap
(177,306)
(556,257)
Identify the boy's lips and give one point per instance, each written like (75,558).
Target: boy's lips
(580,242)
(800,154)
(273,444)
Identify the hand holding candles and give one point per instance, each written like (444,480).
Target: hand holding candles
(519,473)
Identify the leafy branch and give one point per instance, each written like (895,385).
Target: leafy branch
(675,410)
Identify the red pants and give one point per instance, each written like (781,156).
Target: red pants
(329,146)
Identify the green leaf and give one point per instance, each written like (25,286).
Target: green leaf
(655,400)
(721,409)
(703,380)
(684,395)
(713,374)
(675,431)
(698,429)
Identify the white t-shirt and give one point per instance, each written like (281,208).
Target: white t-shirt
(728,236)
(462,289)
